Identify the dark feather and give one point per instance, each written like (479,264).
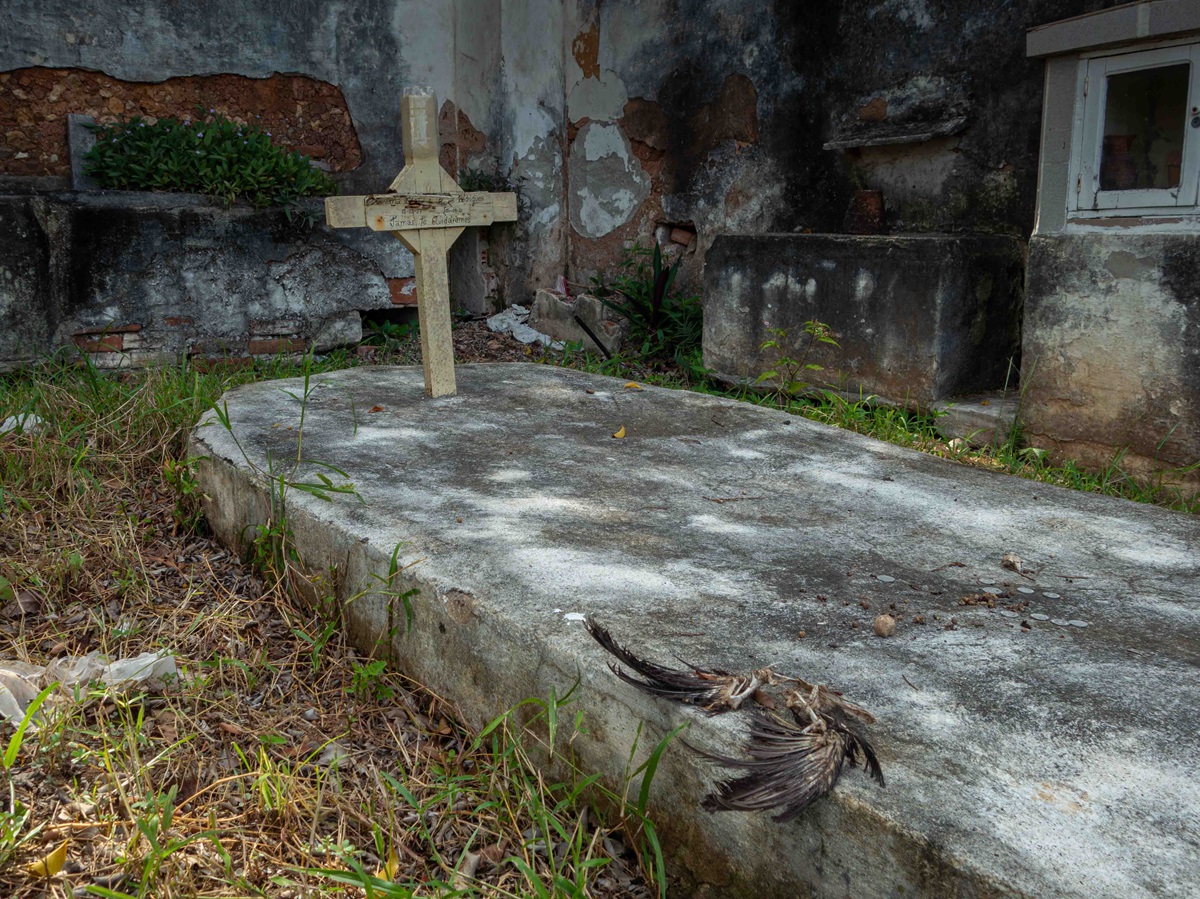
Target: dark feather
(791,766)
(708,689)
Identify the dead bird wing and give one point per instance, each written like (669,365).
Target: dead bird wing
(713,690)
(789,767)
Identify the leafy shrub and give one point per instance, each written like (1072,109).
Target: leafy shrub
(662,324)
(212,155)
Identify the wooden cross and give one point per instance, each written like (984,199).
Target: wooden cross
(427,210)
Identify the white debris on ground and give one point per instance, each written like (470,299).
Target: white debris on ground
(24,422)
(20,683)
(512,321)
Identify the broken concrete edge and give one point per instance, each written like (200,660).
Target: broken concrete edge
(620,726)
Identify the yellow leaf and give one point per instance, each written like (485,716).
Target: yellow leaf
(390,868)
(621,433)
(52,863)
(633,385)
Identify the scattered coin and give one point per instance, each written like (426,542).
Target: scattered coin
(1024,590)
(987,580)
(1050,595)
(1007,614)
(1038,616)
(884,578)
(1061,622)
(1075,622)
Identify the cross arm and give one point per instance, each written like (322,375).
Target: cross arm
(401,212)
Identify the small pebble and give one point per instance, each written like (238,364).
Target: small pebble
(986,580)
(884,578)
(885,626)
(1024,590)
(1007,614)
(1061,622)
(1075,622)
(1050,595)
(1038,616)
(309,714)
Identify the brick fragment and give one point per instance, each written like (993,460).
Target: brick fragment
(99,343)
(275,345)
(403,291)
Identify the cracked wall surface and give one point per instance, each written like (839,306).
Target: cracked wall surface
(729,106)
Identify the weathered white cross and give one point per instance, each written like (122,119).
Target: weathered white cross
(427,210)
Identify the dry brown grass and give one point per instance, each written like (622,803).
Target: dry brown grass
(279,750)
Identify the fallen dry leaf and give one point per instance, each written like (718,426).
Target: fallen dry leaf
(633,385)
(50,864)
(466,870)
(620,434)
(390,868)
(375,408)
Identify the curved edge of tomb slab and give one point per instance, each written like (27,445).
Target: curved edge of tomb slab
(1023,757)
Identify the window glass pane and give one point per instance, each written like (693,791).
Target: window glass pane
(1144,118)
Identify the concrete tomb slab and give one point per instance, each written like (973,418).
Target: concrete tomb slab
(1037,742)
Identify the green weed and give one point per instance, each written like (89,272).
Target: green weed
(211,154)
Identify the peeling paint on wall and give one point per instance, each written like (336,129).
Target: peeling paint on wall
(607,180)
(602,98)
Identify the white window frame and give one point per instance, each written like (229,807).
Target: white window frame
(1089,200)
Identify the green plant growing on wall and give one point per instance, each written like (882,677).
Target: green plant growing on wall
(212,155)
(788,374)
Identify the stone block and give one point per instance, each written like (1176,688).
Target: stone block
(919,318)
(1111,356)
(89,270)
(30,308)
(554,314)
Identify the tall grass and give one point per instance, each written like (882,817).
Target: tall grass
(280,762)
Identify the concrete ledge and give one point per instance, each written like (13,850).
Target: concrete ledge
(1052,760)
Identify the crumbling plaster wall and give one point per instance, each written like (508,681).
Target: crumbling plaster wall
(715,113)
(370,49)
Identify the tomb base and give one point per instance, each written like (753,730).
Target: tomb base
(918,318)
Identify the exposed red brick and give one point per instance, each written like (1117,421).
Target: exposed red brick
(586,50)
(403,291)
(461,141)
(682,236)
(175,321)
(101,343)
(301,113)
(875,111)
(275,345)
